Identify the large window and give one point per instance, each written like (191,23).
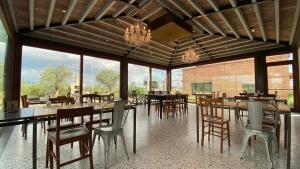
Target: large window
(47,72)
(101,76)
(280,77)
(3,48)
(138,78)
(231,78)
(159,80)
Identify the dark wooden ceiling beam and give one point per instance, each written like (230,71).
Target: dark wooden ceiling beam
(31,14)
(277,23)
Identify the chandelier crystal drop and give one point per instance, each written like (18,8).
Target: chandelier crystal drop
(190,56)
(137,35)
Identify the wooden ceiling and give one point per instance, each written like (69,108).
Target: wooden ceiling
(222,28)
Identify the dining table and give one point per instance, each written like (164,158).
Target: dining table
(160,98)
(44,113)
(282,109)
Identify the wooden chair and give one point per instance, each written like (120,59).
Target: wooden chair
(170,106)
(180,103)
(212,113)
(80,134)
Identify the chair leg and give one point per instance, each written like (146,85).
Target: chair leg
(209,126)
(50,155)
(116,141)
(47,153)
(106,140)
(274,139)
(202,137)
(245,142)
(222,135)
(91,153)
(57,147)
(228,133)
(268,143)
(124,144)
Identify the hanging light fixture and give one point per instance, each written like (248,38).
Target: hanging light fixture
(137,34)
(190,56)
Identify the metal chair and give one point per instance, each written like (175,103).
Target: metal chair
(116,128)
(256,128)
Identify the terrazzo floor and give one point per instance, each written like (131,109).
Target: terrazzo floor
(167,143)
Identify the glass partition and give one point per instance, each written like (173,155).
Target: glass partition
(159,80)
(3,48)
(138,78)
(47,72)
(230,78)
(101,76)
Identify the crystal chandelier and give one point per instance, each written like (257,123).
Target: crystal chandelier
(190,56)
(137,35)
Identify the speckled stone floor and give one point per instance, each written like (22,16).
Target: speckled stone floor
(168,143)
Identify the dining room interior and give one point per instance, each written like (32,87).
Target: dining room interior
(149,84)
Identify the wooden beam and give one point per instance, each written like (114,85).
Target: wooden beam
(259,20)
(201,11)
(68,13)
(117,13)
(13,15)
(151,13)
(142,5)
(50,13)
(216,8)
(182,7)
(202,26)
(104,9)
(87,10)
(242,18)
(295,22)
(277,23)
(31,14)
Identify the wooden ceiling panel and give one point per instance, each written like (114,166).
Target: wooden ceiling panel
(251,21)
(287,11)
(22,13)
(59,11)
(220,22)
(268,16)
(79,8)
(235,22)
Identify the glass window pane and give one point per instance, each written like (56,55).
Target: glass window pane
(3,48)
(278,58)
(138,78)
(231,78)
(101,76)
(49,72)
(280,82)
(159,80)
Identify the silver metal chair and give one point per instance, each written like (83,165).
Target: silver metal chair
(256,128)
(110,132)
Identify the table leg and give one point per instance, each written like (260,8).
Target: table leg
(149,105)
(288,163)
(34,146)
(134,130)
(185,104)
(285,130)
(197,122)
(160,107)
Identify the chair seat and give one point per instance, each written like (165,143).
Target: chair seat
(69,133)
(214,119)
(63,125)
(267,129)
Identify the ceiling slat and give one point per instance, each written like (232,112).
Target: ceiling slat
(202,26)
(151,13)
(87,10)
(295,22)
(242,18)
(13,15)
(50,13)
(277,23)
(117,13)
(31,14)
(216,8)
(259,20)
(69,11)
(201,11)
(104,9)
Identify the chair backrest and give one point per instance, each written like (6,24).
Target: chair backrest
(59,99)
(212,107)
(72,113)
(24,101)
(255,114)
(119,114)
